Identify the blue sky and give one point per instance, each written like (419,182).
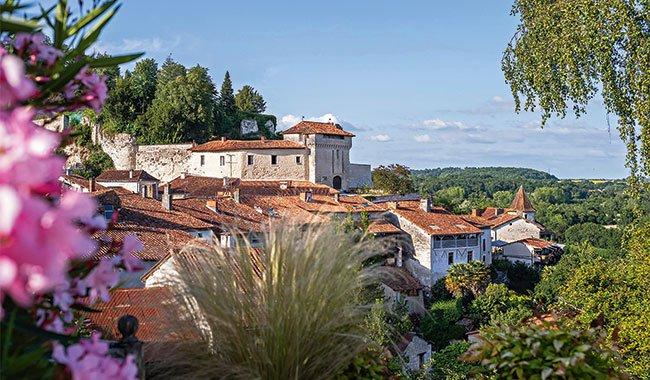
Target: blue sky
(419,82)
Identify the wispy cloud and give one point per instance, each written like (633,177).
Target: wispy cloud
(382,137)
(150,45)
(422,138)
(288,121)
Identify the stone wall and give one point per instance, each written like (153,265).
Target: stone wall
(164,162)
(360,175)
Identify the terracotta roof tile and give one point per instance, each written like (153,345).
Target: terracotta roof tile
(229,145)
(536,243)
(383,226)
(223,212)
(209,187)
(152,306)
(400,280)
(437,223)
(80,181)
(113,175)
(521,201)
(313,127)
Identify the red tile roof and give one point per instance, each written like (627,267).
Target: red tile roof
(209,187)
(436,223)
(400,280)
(521,201)
(154,308)
(315,127)
(229,145)
(383,226)
(72,179)
(113,175)
(536,243)
(224,213)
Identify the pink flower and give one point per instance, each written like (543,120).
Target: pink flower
(131,244)
(89,359)
(34,49)
(95,88)
(99,281)
(14,85)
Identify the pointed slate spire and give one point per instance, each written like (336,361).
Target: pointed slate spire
(521,201)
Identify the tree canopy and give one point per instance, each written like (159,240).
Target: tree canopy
(249,100)
(393,179)
(565,52)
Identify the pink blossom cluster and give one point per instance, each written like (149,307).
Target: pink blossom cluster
(94,86)
(35,50)
(89,360)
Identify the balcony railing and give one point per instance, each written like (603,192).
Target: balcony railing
(455,242)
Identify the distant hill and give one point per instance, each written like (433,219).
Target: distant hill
(504,173)
(486,180)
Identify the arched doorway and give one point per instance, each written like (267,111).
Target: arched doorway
(336,182)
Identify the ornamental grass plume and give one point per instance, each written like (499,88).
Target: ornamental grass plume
(292,309)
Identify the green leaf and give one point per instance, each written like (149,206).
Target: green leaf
(82,307)
(90,17)
(14,25)
(61,18)
(113,61)
(47,335)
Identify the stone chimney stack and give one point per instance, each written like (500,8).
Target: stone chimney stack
(236,195)
(223,138)
(263,138)
(130,173)
(307,196)
(393,205)
(475,212)
(425,204)
(91,185)
(167,198)
(337,197)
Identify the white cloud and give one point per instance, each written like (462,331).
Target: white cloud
(131,45)
(288,121)
(422,138)
(382,137)
(440,124)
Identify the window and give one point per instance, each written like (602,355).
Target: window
(202,160)
(337,154)
(274,160)
(199,234)
(222,160)
(108,212)
(483,245)
(470,256)
(299,160)
(250,159)
(420,359)
(450,258)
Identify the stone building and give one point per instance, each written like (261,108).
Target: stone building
(313,151)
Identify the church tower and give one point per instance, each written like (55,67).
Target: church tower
(523,205)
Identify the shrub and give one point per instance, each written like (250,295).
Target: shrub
(467,278)
(500,305)
(534,352)
(439,324)
(446,365)
(288,310)
(522,278)
(439,291)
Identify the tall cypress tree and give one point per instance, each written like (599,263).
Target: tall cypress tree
(227,99)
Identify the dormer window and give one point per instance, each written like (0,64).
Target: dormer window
(108,212)
(299,160)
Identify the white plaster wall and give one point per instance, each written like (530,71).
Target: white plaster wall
(516,230)
(518,252)
(164,275)
(415,304)
(323,168)
(440,259)
(487,252)
(131,186)
(206,235)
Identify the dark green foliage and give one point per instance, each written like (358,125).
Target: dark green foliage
(500,305)
(439,291)
(368,365)
(593,234)
(439,324)
(227,98)
(522,278)
(541,352)
(249,100)
(169,71)
(144,80)
(467,279)
(393,179)
(446,365)
(95,164)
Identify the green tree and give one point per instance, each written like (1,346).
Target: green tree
(467,279)
(227,102)
(594,234)
(446,365)
(143,82)
(564,52)
(502,198)
(451,198)
(393,179)
(547,194)
(500,305)
(183,109)
(544,352)
(439,324)
(169,71)
(249,100)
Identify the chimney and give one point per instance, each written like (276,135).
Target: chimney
(235,195)
(399,260)
(425,204)
(68,171)
(475,212)
(337,197)
(307,196)
(393,205)
(263,138)
(223,138)
(91,185)
(183,175)
(130,173)
(167,198)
